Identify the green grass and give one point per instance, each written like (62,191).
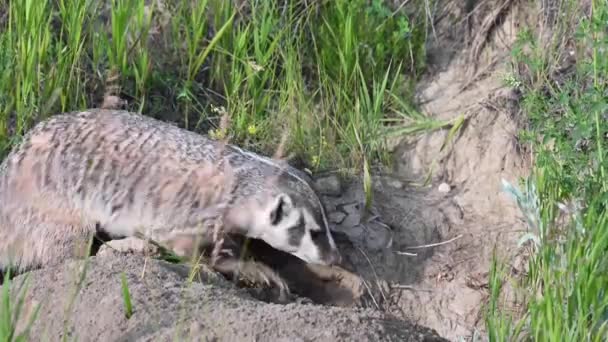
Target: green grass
(314,69)
(126,296)
(11,312)
(563,296)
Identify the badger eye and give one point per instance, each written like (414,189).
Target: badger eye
(315,234)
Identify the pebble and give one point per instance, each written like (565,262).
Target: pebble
(353,214)
(444,188)
(355,233)
(336,217)
(396,184)
(377,237)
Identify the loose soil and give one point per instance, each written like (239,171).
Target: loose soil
(165,307)
(386,290)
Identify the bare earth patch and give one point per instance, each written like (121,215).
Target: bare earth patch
(167,307)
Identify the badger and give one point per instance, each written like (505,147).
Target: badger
(127,175)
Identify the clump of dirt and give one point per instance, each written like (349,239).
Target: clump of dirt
(167,307)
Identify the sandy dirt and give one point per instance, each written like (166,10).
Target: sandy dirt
(167,307)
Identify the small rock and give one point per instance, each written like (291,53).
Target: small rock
(330,185)
(377,237)
(355,233)
(396,184)
(353,215)
(444,188)
(336,217)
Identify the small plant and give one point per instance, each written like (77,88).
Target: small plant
(528,204)
(29,39)
(142,64)
(126,296)
(564,201)
(10,312)
(274,67)
(190,26)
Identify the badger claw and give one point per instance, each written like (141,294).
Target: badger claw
(252,271)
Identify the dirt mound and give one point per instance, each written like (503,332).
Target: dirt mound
(167,307)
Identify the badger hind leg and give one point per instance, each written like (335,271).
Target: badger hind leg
(46,243)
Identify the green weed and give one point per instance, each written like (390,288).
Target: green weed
(28,38)
(10,312)
(564,200)
(274,67)
(126,296)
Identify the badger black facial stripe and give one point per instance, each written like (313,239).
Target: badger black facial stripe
(277,214)
(296,233)
(323,242)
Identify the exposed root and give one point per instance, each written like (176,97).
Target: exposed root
(484,31)
(436,244)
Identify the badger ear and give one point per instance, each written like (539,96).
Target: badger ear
(281,206)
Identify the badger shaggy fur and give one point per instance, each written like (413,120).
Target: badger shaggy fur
(77,174)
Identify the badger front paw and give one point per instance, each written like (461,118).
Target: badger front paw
(253,272)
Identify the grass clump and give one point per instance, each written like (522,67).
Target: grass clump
(11,312)
(563,294)
(126,296)
(328,72)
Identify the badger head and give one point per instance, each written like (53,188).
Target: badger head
(291,224)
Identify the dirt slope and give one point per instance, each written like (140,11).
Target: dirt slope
(444,287)
(165,308)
